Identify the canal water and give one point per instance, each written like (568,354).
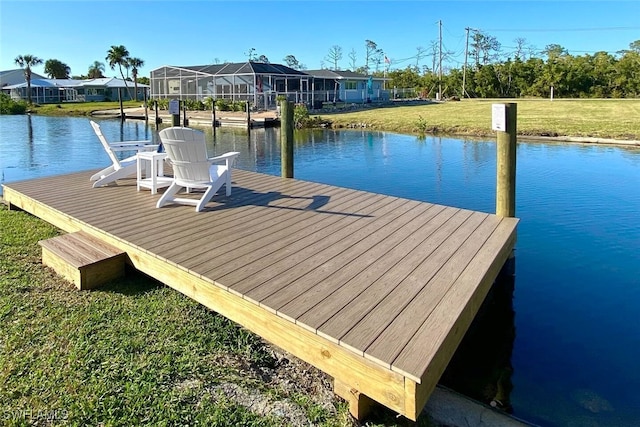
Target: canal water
(559,344)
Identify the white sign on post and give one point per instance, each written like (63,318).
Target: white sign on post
(499,117)
(174,107)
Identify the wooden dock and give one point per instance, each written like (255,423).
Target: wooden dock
(376,291)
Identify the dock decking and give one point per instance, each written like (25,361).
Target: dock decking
(376,291)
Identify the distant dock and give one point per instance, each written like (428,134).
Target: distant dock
(201,118)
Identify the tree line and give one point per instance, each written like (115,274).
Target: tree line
(600,75)
(484,75)
(55,69)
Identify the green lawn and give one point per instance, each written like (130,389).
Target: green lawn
(602,118)
(80,108)
(136,352)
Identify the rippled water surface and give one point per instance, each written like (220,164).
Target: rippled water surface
(574,359)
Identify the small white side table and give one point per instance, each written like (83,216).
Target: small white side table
(151,171)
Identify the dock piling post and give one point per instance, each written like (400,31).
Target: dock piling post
(213,113)
(158,120)
(121,109)
(286,138)
(247,107)
(174,110)
(185,121)
(146,107)
(506,158)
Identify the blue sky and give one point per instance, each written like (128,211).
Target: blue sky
(203,32)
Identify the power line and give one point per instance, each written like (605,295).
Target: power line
(561,30)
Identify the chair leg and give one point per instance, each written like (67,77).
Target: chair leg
(208,195)
(104,172)
(228,183)
(123,172)
(168,195)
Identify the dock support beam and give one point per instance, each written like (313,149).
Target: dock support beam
(360,406)
(506,164)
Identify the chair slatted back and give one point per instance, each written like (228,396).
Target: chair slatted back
(105,144)
(187,152)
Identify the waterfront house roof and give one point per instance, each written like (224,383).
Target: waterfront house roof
(110,82)
(237,68)
(14,77)
(338,74)
(42,83)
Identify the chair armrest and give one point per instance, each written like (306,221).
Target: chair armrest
(229,158)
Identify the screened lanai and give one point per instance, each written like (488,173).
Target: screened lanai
(256,82)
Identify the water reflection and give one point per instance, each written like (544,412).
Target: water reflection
(30,143)
(481,367)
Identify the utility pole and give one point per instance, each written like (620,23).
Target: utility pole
(466,55)
(440,63)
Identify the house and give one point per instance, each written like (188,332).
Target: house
(261,84)
(13,77)
(109,89)
(46,91)
(256,82)
(43,91)
(348,86)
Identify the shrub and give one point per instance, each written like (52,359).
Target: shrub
(9,106)
(163,103)
(300,116)
(194,104)
(240,106)
(422,127)
(223,104)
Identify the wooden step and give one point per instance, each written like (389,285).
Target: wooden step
(83,259)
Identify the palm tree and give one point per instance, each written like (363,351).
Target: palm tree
(95,70)
(135,63)
(26,62)
(118,55)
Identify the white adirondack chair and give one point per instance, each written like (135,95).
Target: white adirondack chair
(187,153)
(119,168)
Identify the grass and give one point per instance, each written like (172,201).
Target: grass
(79,108)
(598,118)
(601,118)
(133,352)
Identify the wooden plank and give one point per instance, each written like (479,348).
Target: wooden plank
(59,247)
(155,224)
(408,320)
(362,207)
(451,318)
(358,307)
(254,221)
(236,213)
(234,206)
(82,259)
(337,248)
(367,329)
(350,261)
(263,270)
(318,305)
(252,244)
